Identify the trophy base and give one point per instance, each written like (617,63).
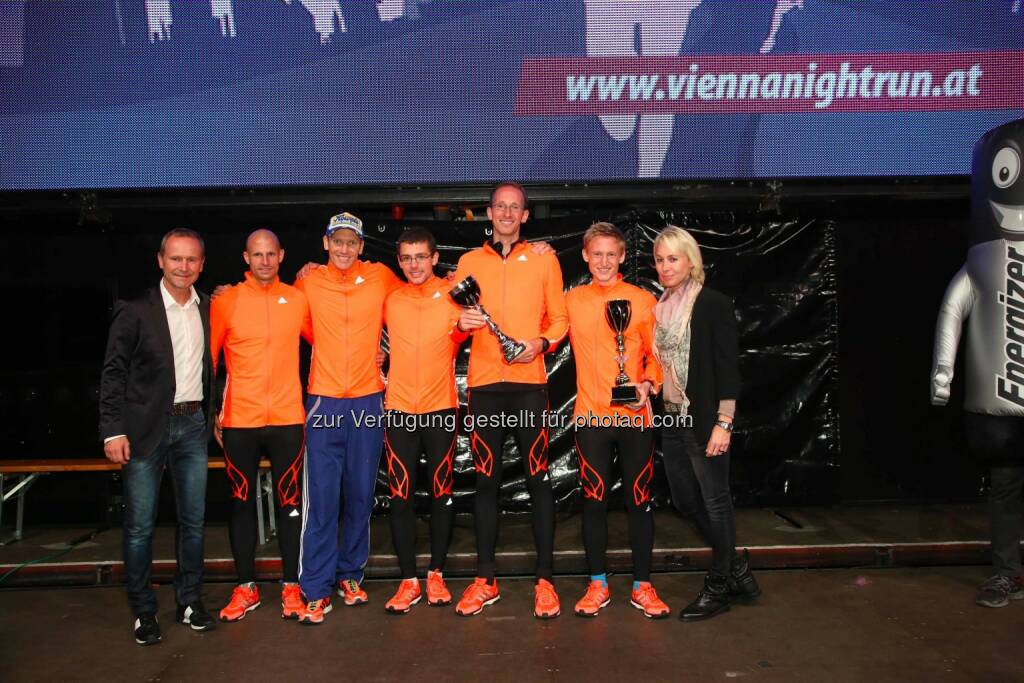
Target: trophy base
(511,351)
(624,395)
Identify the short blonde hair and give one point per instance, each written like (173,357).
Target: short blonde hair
(681,243)
(604,229)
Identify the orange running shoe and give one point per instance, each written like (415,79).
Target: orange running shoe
(291,601)
(437,592)
(645,598)
(545,600)
(314,611)
(478,595)
(596,597)
(352,592)
(407,595)
(244,599)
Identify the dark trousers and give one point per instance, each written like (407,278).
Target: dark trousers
(700,489)
(596,448)
(998,441)
(487,442)
(1006,510)
(183,451)
(402,448)
(283,446)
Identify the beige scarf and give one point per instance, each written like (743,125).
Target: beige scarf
(672,314)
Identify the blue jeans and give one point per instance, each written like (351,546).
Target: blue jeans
(183,451)
(700,489)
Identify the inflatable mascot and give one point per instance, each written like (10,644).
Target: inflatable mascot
(988,293)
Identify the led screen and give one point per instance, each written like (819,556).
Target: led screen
(211,93)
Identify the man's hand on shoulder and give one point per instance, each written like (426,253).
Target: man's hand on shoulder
(117,450)
(305,270)
(219,290)
(541,247)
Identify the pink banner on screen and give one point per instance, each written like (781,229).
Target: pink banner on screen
(771,84)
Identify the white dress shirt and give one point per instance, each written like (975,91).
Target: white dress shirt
(187,341)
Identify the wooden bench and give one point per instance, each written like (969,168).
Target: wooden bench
(23,473)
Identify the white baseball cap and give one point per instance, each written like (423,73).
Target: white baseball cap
(344,221)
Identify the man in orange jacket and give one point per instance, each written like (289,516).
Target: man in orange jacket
(344,417)
(258,324)
(522,292)
(421,401)
(603,429)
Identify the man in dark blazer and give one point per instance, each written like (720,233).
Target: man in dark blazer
(155,412)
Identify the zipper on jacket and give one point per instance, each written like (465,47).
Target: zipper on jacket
(269,353)
(504,287)
(419,337)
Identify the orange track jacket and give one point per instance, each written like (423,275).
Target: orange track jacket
(596,351)
(258,328)
(523,295)
(348,315)
(421,322)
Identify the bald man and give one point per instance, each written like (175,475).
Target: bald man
(258,324)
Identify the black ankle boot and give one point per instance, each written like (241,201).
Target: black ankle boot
(712,600)
(742,584)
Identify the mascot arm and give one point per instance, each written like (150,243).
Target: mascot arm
(956,306)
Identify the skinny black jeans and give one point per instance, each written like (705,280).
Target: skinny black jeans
(700,489)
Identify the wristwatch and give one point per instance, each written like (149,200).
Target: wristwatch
(727,426)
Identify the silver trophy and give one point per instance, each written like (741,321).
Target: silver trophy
(467,295)
(618,313)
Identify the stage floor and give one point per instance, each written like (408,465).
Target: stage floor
(903,624)
(842,536)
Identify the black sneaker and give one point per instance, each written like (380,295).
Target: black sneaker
(713,599)
(742,584)
(195,616)
(999,590)
(147,630)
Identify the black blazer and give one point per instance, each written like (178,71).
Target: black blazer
(137,385)
(714,359)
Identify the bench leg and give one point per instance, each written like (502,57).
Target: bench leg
(20,516)
(260,535)
(271,512)
(19,490)
(265,486)
(3,498)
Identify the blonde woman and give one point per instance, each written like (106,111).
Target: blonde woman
(696,342)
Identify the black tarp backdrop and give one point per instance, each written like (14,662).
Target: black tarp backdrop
(873,270)
(781,275)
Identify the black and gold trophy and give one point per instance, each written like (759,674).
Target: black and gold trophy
(618,313)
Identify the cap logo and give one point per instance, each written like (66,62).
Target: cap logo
(344,221)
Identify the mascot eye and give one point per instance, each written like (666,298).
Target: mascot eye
(1005,167)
